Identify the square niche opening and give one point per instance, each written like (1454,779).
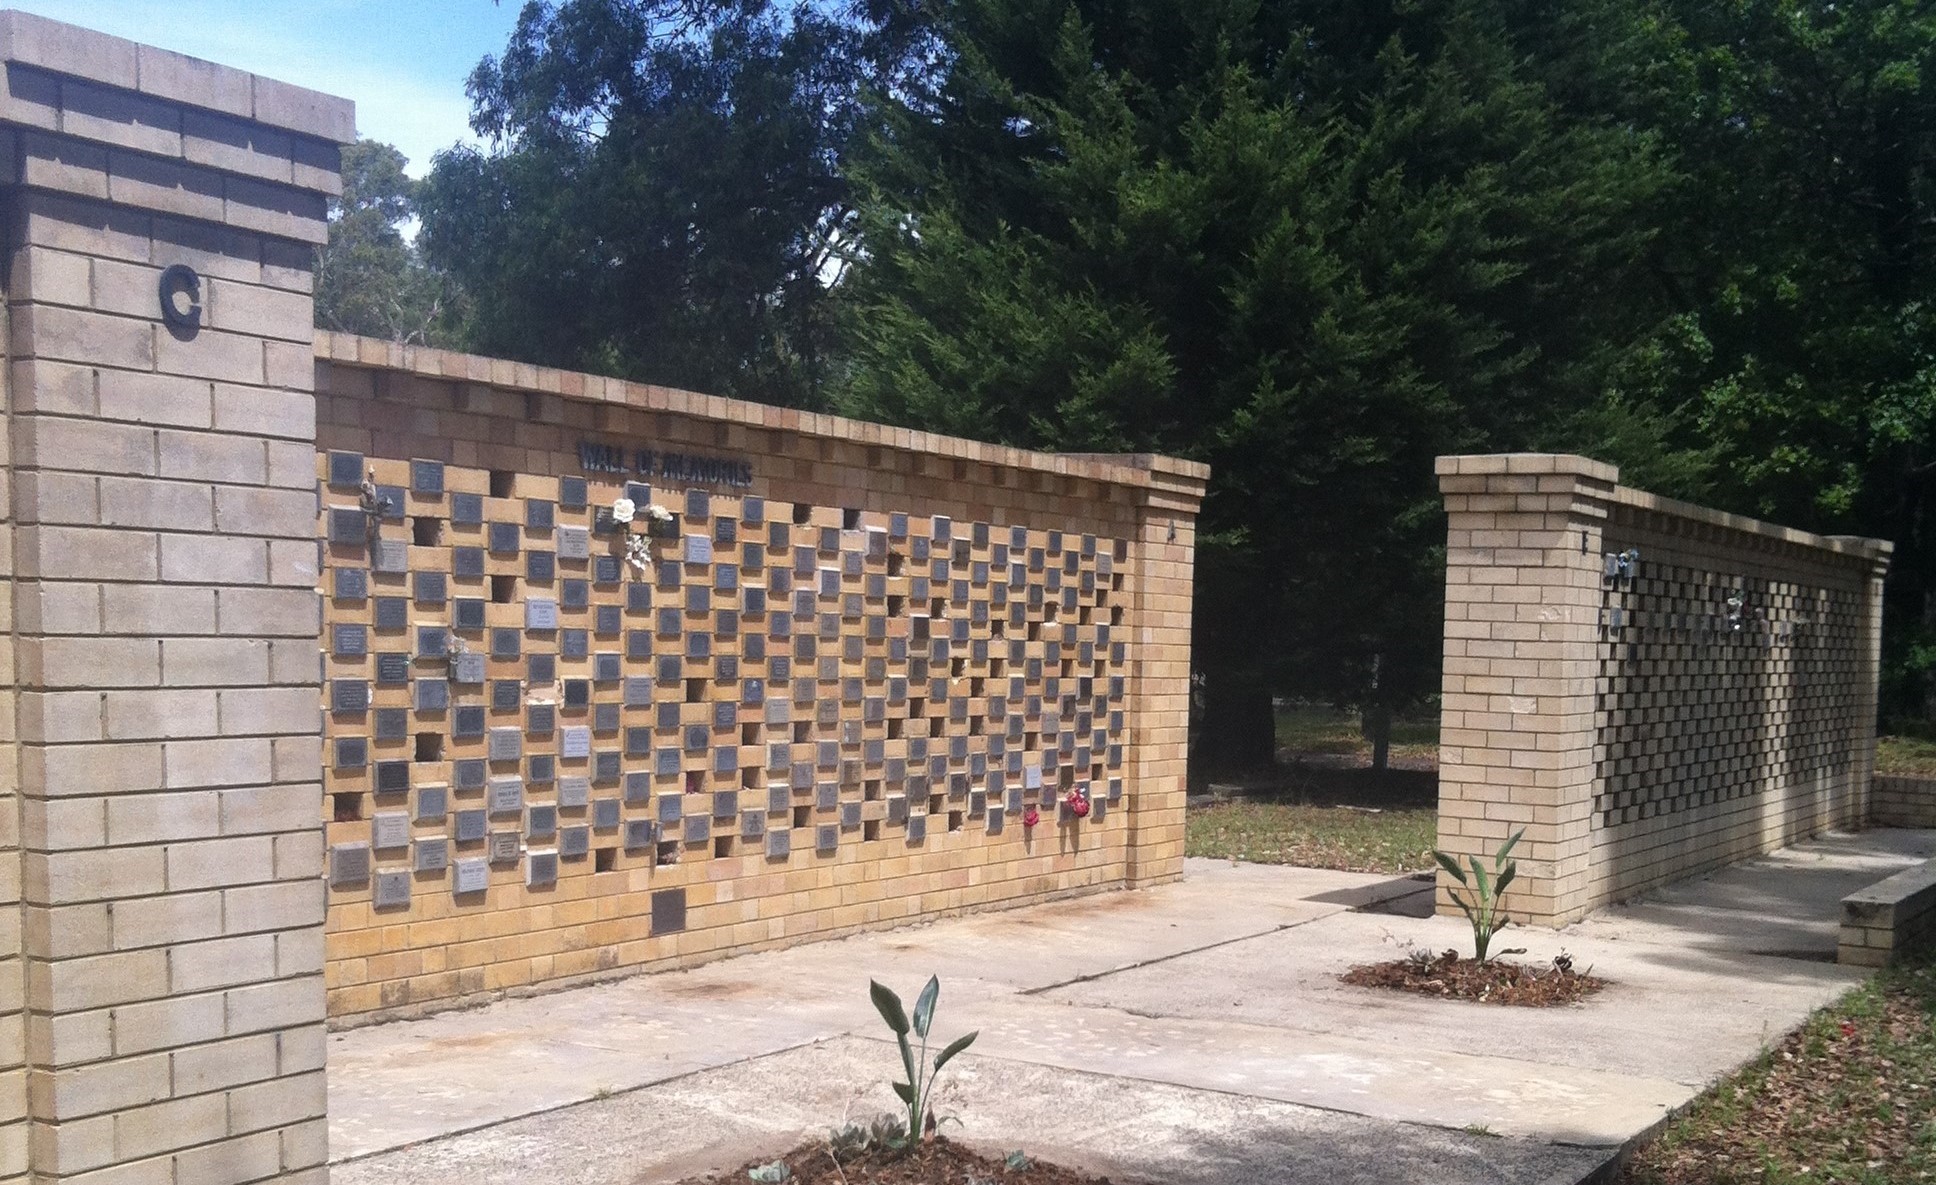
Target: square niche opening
(430,746)
(346,808)
(871,829)
(424,531)
(604,859)
(723,846)
(504,589)
(802,816)
(503,481)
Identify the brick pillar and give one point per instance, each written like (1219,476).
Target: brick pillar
(1862,740)
(1162,561)
(1522,602)
(164,615)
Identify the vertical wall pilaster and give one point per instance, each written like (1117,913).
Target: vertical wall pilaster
(1517,733)
(165,614)
(1159,694)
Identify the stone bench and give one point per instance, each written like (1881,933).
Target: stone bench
(1888,917)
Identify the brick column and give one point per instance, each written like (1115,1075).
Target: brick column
(1522,602)
(164,614)
(1162,563)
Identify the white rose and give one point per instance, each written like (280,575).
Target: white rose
(623,510)
(658,514)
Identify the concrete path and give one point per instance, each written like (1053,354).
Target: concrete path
(1192,1033)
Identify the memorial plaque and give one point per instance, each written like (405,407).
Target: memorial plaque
(606,667)
(578,693)
(668,911)
(574,543)
(608,619)
(849,815)
(352,752)
(917,829)
(671,808)
(469,773)
(468,613)
(503,538)
(575,842)
(605,814)
(392,669)
(605,717)
(389,830)
(390,556)
(574,644)
(573,492)
(826,796)
(472,825)
(351,584)
(466,510)
(350,641)
(389,502)
(541,613)
(573,594)
(392,777)
(638,691)
(606,766)
(669,669)
(698,549)
(346,469)
(467,562)
(392,613)
(429,588)
(538,514)
(997,818)
(433,695)
(541,822)
(505,847)
(696,828)
(349,695)
(667,762)
(506,695)
(392,890)
(541,768)
(574,792)
(506,643)
(540,719)
(392,724)
(638,786)
(506,744)
(638,597)
(473,876)
(467,668)
(609,569)
(506,796)
(432,854)
(638,834)
(349,865)
(432,802)
(541,870)
(826,837)
(699,504)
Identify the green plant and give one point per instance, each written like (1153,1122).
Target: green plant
(1488,891)
(771,1174)
(1016,1162)
(919,1087)
(852,1139)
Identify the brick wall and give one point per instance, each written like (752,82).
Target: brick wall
(1712,699)
(822,704)
(161,745)
(1896,801)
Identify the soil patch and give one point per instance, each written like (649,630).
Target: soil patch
(1500,981)
(934,1162)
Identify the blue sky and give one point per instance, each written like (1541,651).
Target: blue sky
(403,61)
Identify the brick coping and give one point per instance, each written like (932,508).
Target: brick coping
(1145,470)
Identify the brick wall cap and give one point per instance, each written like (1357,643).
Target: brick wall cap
(1525,463)
(1874,551)
(77,52)
(1176,478)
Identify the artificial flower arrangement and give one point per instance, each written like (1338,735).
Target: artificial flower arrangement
(660,523)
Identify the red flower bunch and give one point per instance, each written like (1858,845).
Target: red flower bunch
(1078,803)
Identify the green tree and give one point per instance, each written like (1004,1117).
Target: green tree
(661,198)
(369,278)
(1314,244)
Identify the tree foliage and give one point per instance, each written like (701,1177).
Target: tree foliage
(369,278)
(661,198)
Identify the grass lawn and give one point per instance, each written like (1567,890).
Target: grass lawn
(1394,841)
(1847,1098)
(1307,730)
(1906,756)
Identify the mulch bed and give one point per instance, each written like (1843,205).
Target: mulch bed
(935,1161)
(1499,981)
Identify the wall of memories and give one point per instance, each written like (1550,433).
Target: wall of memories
(610,686)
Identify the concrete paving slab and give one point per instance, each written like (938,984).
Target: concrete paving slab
(1128,1130)
(1214,1002)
